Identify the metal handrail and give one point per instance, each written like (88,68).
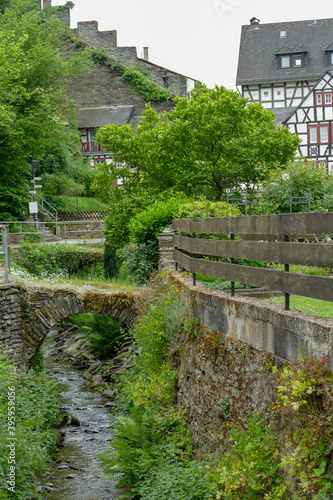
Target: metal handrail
(41,203)
(5,239)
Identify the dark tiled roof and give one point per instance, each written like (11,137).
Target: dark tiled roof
(260,43)
(281,114)
(98,117)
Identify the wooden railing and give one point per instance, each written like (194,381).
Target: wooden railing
(199,255)
(91,147)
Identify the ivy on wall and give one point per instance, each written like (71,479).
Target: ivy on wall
(141,84)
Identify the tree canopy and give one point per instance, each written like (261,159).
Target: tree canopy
(37,63)
(205,145)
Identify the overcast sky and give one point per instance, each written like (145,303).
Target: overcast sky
(198,38)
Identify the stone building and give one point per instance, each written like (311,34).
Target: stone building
(102,95)
(282,65)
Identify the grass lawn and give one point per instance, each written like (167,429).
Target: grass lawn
(305,304)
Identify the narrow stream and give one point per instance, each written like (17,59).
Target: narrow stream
(78,476)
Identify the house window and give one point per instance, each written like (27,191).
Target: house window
(283,34)
(297,61)
(285,62)
(328,98)
(329,57)
(313,135)
(324,98)
(318,134)
(292,61)
(98,161)
(323,133)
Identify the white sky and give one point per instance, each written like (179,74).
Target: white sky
(198,38)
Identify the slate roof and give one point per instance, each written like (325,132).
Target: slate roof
(98,117)
(260,43)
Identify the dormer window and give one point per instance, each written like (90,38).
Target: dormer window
(292,61)
(283,34)
(288,57)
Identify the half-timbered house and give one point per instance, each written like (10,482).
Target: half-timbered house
(281,65)
(312,121)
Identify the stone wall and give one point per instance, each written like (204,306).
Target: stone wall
(105,87)
(267,326)
(11,323)
(214,369)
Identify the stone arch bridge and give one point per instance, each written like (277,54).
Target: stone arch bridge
(28,313)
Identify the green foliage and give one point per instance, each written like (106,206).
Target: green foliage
(111,268)
(37,410)
(151,380)
(34,104)
(203,209)
(72,203)
(251,468)
(185,150)
(146,225)
(141,84)
(106,335)
(123,206)
(300,176)
(56,185)
(172,480)
(304,391)
(99,55)
(144,439)
(141,260)
(46,259)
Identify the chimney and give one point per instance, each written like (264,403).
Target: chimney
(255,21)
(145,53)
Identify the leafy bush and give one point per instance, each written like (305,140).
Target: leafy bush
(111,268)
(175,480)
(301,177)
(143,439)
(140,260)
(141,84)
(105,334)
(146,225)
(251,468)
(49,259)
(37,410)
(61,185)
(202,210)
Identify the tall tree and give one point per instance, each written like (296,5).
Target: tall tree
(37,62)
(214,141)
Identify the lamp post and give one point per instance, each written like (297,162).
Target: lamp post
(33,169)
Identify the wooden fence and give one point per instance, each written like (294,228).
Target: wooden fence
(260,237)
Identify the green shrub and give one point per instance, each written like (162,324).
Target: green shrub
(301,177)
(202,210)
(37,410)
(99,55)
(105,334)
(251,468)
(175,480)
(141,260)
(146,225)
(42,258)
(143,440)
(61,185)
(111,268)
